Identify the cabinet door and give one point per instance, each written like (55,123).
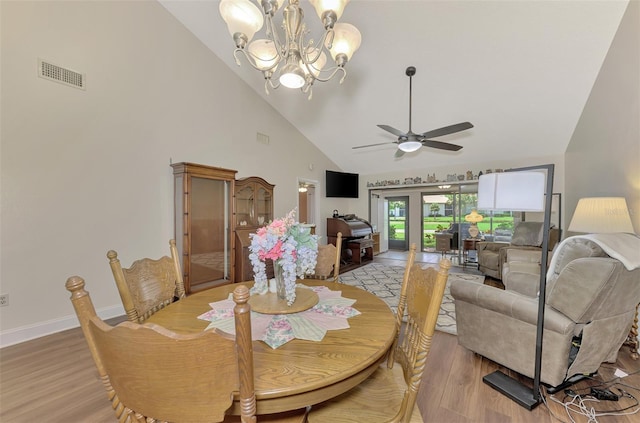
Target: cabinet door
(203,224)
(245,206)
(264,206)
(210,244)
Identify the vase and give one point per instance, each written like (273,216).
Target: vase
(281,286)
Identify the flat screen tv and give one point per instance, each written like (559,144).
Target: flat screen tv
(341,184)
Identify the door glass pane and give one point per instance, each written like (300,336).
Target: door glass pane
(398,223)
(209,222)
(244,206)
(263,206)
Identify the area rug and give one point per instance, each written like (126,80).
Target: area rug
(385,282)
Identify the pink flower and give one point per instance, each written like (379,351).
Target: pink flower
(278,227)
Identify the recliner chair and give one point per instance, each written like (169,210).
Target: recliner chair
(590,306)
(526,235)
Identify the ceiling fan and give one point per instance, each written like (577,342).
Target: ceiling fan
(410,141)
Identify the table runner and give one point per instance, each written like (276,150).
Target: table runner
(331,313)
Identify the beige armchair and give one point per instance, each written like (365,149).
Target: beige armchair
(521,271)
(526,236)
(591,299)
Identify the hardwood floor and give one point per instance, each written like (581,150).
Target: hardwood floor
(452,389)
(53,379)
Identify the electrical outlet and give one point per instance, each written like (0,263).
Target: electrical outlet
(4,300)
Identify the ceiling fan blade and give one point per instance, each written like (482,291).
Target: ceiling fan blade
(446,130)
(373,145)
(441,145)
(394,131)
(399,153)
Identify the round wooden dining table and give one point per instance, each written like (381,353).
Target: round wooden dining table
(301,372)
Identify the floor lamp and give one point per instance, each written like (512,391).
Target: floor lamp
(522,189)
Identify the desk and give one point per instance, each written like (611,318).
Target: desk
(301,373)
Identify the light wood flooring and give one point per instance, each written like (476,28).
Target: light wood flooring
(53,379)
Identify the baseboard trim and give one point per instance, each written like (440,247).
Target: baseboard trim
(37,330)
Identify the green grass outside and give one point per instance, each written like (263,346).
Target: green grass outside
(433,224)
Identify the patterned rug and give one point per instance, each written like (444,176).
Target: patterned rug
(385,282)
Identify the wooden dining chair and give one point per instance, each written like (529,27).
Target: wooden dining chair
(328,263)
(153,374)
(148,285)
(389,395)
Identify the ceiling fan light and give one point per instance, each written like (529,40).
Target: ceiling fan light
(409,146)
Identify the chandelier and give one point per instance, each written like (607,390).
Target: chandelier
(284,57)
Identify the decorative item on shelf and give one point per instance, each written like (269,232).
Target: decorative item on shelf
(474,217)
(297,62)
(469,175)
(291,247)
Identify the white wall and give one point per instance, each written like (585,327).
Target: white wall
(83,172)
(603,157)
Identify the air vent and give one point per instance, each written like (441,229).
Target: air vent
(262,138)
(59,74)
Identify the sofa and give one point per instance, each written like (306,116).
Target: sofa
(593,287)
(526,235)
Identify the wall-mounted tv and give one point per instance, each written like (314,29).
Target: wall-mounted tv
(341,184)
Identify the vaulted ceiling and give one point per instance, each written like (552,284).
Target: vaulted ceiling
(520,71)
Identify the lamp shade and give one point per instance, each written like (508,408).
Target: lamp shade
(474,217)
(241,16)
(346,40)
(316,66)
(601,215)
(322,6)
(517,191)
(264,53)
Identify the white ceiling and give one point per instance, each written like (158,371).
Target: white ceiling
(520,71)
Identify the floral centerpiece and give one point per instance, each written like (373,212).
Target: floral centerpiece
(292,248)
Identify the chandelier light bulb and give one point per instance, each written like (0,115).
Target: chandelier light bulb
(292,76)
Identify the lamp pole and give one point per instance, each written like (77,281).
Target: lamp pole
(512,388)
